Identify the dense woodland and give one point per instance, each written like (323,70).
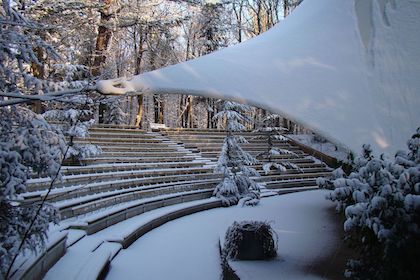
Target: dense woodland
(70,44)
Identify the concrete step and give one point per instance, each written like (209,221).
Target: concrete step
(93,203)
(71,192)
(124,211)
(113,159)
(71,180)
(103,168)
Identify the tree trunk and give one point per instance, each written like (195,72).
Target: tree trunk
(103,38)
(38,70)
(190,112)
(140,112)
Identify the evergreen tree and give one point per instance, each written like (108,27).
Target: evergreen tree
(114,114)
(233,162)
(213,26)
(28,145)
(74,116)
(270,134)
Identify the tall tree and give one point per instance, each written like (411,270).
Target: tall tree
(103,38)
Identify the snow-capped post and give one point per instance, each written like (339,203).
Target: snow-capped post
(270,134)
(381,203)
(233,162)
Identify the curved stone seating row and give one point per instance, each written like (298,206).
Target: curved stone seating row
(104,168)
(104,186)
(90,256)
(125,211)
(71,180)
(113,159)
(86,204)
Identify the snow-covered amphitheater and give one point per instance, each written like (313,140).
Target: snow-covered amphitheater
(126,212)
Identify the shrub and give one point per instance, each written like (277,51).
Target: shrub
(250,240)
(381,203)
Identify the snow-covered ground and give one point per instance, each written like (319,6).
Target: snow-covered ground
(327,148)
(187,248)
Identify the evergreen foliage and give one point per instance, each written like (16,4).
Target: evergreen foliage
(28,145)
(381,203)
(75,116)
(114,114)
(19,44)
(233,162)
(271,133)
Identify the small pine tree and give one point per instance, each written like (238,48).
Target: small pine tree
(233,162)
(74,118)
(270,134)
(114,114)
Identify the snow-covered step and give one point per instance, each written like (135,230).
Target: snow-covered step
(97,187)
(115,139)
(101,220)
(87,258)
(114,159)
(86,204)
(283,184)
(111,167)
(280,177)
(68,180)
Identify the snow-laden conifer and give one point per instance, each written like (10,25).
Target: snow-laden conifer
(114,114)
(270,134)
(28,146)
(73,116)
(381,203)
(234,163)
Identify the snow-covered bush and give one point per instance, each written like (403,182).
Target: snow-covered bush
(73,116)
(233,162)
(113,113)
(381,203)
(270,134)
(250,240)
(251,199)
(28,144)
(20,42)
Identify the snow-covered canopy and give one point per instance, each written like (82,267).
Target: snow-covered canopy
(349,69)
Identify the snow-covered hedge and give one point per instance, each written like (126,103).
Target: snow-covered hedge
(381,203)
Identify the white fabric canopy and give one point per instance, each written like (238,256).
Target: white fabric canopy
(348,69)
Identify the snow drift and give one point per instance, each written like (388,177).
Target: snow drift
(347,69)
